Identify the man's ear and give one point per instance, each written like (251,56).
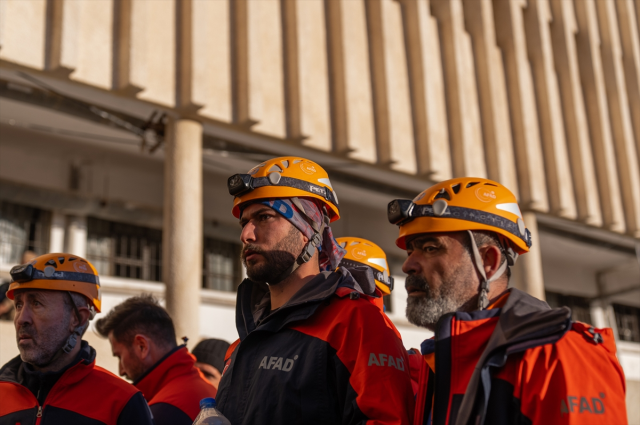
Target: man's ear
(141,346)
(491,257)
(77,321)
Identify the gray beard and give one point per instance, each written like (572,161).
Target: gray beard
(425,312)
(45,344)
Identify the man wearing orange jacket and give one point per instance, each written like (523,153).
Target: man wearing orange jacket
(312,349)
(500,356)
(143,338)
(55,379)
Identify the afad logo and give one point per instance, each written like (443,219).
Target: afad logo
(308,167)
(485,195)
(573,404)
(81,267)
(279,363)
(359,253)
(385,360)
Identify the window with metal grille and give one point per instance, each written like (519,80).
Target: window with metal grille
(627,322)
(125,250)
(22,228)
(580,306)
(221,265)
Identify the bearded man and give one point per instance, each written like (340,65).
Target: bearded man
(503,356)
(55,380)
(313,348)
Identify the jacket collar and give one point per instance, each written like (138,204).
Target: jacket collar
(525,322)
(175,363)
(12,371)
(254,299)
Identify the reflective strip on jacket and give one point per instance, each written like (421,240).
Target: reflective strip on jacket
(519,362)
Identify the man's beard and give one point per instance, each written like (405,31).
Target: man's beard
(135,368)
(277,260)
(45,344)
(426,311)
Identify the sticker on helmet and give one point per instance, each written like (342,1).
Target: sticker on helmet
(420,196)
(359,253)
(81,267)
(308,167)
(486,195)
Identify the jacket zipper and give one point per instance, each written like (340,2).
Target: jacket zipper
(39,415)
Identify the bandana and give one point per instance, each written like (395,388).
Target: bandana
(330,253)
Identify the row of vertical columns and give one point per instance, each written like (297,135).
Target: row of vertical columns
(563,30)
(558,177)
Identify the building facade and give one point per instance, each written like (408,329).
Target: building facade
(389,96)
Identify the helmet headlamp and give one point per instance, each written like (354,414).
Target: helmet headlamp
(22,273)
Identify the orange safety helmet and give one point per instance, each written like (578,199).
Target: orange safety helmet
(284,177)
(361,252)
(58,272)
(461,204)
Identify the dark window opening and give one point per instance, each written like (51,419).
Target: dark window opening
(580,306)
(627,322)
(221,265)
(124,250)
(22,229)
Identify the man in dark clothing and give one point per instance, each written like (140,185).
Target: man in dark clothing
(54,380)
(143,338)
(209,355)
(313,349)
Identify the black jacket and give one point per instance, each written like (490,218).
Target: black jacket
(328,356)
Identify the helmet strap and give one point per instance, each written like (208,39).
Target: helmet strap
(483,299)
(77,332)
(310,247)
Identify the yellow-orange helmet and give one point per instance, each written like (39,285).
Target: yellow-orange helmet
(284,177)
(361,252)
(58,272)
(460,204)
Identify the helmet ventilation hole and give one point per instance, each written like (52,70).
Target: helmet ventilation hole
(285,163)
(443,194)
(275,168)
(61,260)
(471,184)
(456,188)
(295,161)
(51,263)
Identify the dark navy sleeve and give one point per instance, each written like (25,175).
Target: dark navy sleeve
(136,412)
(168,414)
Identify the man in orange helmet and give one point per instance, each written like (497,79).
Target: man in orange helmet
(55,380)
(503,356)
(365,255)
(312,349)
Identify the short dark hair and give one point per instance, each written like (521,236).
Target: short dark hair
(138,315)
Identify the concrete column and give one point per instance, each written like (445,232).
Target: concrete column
(182,230)
(527,274)
(76,236)
(56,233)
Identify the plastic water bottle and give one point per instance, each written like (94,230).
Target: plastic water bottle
(209,415)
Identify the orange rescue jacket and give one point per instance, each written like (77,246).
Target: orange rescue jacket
(519,362)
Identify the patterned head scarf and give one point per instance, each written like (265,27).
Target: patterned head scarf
(330,253)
